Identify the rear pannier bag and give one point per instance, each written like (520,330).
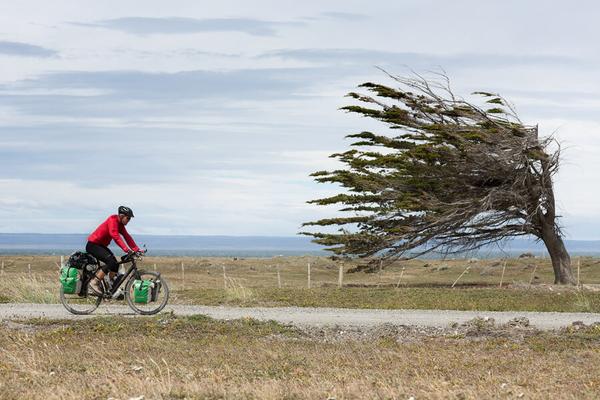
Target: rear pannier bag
(79,259)
(69,279)
(142,291)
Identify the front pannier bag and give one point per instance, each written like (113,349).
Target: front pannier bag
(142,291)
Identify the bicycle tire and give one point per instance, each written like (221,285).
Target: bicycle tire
(86,305)
(148,309)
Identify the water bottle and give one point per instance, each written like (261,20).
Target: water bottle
(118,278)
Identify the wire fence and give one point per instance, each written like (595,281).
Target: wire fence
(319,272)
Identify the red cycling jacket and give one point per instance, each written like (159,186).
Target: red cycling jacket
(111,229)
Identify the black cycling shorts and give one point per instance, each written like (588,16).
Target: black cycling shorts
(103,254)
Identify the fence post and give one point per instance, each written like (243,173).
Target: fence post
(460,276)
(154,267)
(341,276)
(2,270)
(62,261)
(278,277)
(578,268)
(29,269)
(532,275)
(224,278)
(399,279)
(309,275)
(502,277)
(182,275)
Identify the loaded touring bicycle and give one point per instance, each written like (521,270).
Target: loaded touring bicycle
(146,292)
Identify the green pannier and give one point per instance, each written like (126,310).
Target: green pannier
(142,291)
(69,278)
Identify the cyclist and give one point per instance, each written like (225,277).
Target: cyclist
(98,242)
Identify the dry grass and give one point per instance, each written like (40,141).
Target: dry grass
(200,358)
(262,272)
(425,284)
(29,289)
(488,299)
(236,292)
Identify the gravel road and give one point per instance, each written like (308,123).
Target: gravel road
(318,317)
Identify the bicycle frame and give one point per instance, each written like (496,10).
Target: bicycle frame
(126,276)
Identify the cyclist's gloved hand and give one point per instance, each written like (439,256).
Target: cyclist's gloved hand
(127,256)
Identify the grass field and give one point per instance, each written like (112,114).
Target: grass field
(526,284)
(166,357)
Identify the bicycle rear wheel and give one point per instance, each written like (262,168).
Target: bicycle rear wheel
(160,300)
(79,304)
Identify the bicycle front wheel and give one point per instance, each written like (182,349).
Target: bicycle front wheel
(155,301)
(79,305)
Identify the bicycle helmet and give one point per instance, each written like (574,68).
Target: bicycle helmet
(126,211)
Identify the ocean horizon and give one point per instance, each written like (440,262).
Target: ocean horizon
(251,246)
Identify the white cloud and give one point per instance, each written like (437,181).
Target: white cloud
(215,128)
(226,205)
(18,49)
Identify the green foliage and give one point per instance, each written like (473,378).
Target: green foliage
(446,174)
(486,94)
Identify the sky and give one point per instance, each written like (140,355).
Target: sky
(207,118)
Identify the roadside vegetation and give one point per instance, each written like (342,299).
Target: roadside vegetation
(405,298)
(167,357)
(527,283)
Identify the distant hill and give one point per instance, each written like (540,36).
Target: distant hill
(247,246)
(257,246)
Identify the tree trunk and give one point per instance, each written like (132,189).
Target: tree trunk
(561,261)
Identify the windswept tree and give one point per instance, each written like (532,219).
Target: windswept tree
(448,175)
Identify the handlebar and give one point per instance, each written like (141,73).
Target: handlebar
(131,256)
